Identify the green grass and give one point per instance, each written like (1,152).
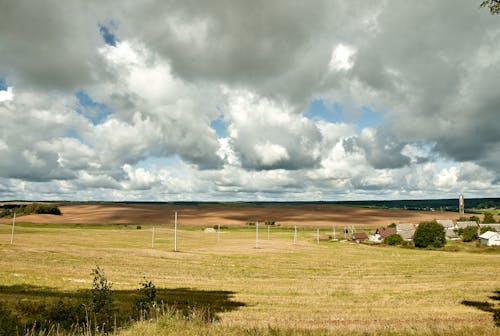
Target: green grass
(278,289)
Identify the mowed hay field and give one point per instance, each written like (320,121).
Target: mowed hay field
(279,288)
(322,215)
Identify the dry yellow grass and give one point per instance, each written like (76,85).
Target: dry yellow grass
(337,287)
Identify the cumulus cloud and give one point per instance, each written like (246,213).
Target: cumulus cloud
(91,94)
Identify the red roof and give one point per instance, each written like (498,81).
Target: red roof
(384,232)
(359,236)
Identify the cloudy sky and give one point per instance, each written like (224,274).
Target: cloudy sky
(248,100)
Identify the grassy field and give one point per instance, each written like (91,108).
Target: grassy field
(281,288)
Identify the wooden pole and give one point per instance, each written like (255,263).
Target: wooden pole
(334,238)
(218,232)
(175,233)
(295,235)
(317,235)
(13,225)
(257,235)
(268,229)
(153,237)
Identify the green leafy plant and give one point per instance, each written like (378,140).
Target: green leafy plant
(393,239)
(468,233)
(429,234)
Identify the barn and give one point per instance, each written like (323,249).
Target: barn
(490,238)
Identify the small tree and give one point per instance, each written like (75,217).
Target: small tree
(474,219)
(486,228)
(429,234)
(468,233)
(493,5)
(488,218)
(393,239)
(101,291)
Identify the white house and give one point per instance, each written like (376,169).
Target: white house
(490,238)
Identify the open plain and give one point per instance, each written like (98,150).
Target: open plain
(280,288)
(237,214)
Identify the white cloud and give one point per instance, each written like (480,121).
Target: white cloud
(6,95)
(176,67)
(342,57)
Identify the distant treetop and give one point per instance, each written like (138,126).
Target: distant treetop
(493,5)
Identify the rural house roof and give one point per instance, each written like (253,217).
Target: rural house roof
(463,225)
(405,227)
(407,234)
(384,232)
(359,236)
(446,223)
(450,234)
(488,235)
(494,226)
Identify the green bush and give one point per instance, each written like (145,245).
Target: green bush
(147,301)
(486,228)
(468,234)
(429,234)
(10,324)
(393,239)
(488,218)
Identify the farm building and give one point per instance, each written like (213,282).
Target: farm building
(494,226)
(463,225)
(381,233)
(446,223)
(449,228)
(490,238)
(451,235)
(406,231)
(359,236)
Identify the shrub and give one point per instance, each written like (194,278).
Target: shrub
(138,227)
(393,239)
(392,225)
(468,234)
(429,234)
(486,228)
(488,218)
(147,300)
(10,324)
(101,291)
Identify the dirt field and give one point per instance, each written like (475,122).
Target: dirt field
(318,215)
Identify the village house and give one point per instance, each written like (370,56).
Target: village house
(449,228)
(381,233)
(359,237)
(406,231)
(493,226)
(464,224)
(490,238)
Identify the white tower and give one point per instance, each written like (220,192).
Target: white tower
(461,205)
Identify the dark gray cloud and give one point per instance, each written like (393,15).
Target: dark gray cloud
(170,68)
(49,45)
(381,149)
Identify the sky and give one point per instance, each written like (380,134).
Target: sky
(235,100)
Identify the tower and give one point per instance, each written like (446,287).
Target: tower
(461,205)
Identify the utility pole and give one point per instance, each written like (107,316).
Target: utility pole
(13,225)
(175,233)
(257,235)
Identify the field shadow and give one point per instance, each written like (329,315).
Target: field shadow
(22,306)
(486,306)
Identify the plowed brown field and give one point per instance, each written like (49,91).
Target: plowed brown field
(233,215)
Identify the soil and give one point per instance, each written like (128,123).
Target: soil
(233,215)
